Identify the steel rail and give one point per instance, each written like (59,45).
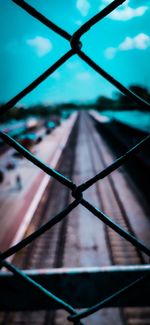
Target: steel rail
(122,232)
(112,167)
(12,250)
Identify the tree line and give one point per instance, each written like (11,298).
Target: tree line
(119,102)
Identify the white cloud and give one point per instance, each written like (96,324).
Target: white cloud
(125,12)
(140,42)
(83,6)
(128,13)
(41,45)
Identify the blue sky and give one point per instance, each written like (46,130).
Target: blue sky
(119,43)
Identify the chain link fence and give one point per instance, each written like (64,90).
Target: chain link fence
(77,191)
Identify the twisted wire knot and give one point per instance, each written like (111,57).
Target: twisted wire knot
(77,194)
(75,43)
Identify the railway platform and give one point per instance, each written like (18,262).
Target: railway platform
(19,202)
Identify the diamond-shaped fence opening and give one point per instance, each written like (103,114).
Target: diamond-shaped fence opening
(77,191)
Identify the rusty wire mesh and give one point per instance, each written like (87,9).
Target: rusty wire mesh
(77,192)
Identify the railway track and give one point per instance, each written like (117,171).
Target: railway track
(121,251)
(81,239)
(120,137)
(47,251)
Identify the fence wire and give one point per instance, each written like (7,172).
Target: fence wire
(77,191)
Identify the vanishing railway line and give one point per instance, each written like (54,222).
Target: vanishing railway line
(80,239)
(121,252)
